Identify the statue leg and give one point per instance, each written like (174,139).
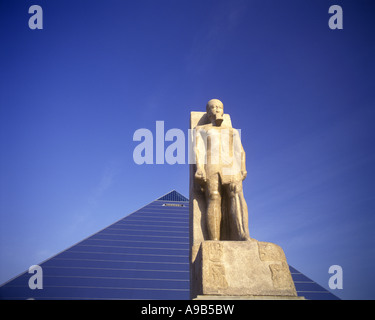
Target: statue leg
(238,210)
(244,216)
(213,213)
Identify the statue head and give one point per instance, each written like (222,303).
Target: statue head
(215,111)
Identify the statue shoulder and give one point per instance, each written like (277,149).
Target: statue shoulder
(236,131)
(203,127)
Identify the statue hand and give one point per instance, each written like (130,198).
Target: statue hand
(200,175)
(244,174)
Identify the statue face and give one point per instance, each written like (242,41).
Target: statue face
(215,109)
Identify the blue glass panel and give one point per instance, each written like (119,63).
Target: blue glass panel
(143,232)
(123,257)
(118,283)
(158,218)
(110,264)
(297,277)
(163,211)
(137,243)
(116,273)
(155,223)
(308,286)
(98,293)
(145,238)
(141,227)
(318,295)
(149,225)
(130,249)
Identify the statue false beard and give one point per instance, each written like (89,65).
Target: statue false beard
(217,119)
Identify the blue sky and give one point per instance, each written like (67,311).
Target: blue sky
(73,94)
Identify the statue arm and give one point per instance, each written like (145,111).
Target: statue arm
(243,163)
(200,153)
(237,138)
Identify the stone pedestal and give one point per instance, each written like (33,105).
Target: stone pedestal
(240,269)
(211,297)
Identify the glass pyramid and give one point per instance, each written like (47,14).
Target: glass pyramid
(142,256)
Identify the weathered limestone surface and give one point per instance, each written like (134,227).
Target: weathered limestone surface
(242,268)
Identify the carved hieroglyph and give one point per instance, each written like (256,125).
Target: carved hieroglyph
(216,270)
(281,276)
(270,252)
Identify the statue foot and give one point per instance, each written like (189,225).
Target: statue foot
(245,237)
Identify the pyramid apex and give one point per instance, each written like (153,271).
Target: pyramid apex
(173,196)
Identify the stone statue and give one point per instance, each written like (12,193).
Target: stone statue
(224,261)
(220,170)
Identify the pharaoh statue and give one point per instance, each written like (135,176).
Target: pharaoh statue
(220,170)
(224,261)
